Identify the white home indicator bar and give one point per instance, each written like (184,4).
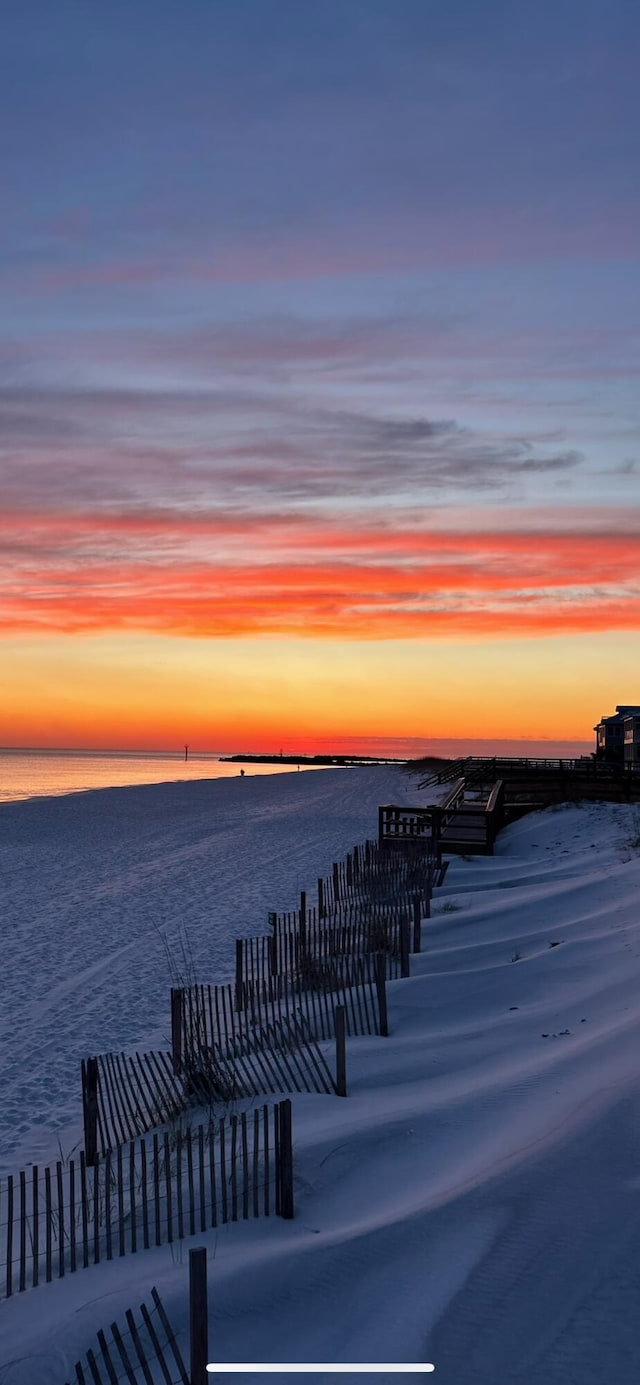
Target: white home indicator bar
(314,1368)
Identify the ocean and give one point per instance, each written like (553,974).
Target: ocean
(47,773)
(28,773)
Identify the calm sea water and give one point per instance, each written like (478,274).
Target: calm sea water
(38,773)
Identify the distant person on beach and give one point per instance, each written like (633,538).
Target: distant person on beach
(241,773)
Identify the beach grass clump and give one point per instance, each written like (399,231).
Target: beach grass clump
(208,1080)
(379,938)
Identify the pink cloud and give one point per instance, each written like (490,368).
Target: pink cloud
(498,236)
(207,575)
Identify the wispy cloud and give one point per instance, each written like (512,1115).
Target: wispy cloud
(235,510)
(242,449)
(214,573)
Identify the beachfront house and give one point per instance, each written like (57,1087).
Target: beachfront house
(610,733)
(631,742)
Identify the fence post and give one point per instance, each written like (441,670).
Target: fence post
(302,927)
(285,1161)
(198,1319)
(436,829)
(272,950)
(90,1109)
(404,945)
(176,1028)
(381,991)
(272,944)
(341,1051)
(336,883)
(239,985)
(417,922)
(321,909)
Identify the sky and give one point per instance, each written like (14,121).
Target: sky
(319,358)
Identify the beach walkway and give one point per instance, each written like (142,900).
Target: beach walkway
(487,794)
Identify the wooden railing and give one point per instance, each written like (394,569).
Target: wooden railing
(582,767)
(454,825)
(398,824)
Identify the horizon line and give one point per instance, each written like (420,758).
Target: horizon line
(179,748)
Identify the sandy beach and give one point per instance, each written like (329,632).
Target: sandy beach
(108,897)
(475,1201)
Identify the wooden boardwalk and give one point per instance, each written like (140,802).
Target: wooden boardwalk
(468,821)
(486,794)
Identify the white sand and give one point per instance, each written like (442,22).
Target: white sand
(475,1202)
(97,888)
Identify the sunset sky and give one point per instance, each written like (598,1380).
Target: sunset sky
(319,395)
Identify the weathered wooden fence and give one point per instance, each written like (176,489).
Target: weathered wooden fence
(319,974)
(370,873)
(373,873)
(262,1034)
(124,1095)
(205,1018)
(146,1349)
(151,1191)
(265,1051)
(305,948)
(222,1054)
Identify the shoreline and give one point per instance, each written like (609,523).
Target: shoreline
(346,761)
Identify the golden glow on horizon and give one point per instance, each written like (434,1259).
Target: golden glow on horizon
(150,691)
(152,628)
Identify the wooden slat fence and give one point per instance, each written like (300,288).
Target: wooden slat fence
(359,914)
(301,953)
(149,1192)
(266,1050)
(301,1007)
(370,874)
(146,1349)
(134,1093)
(373,873)
(262,1034)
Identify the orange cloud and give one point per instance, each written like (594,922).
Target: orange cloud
(167,572)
